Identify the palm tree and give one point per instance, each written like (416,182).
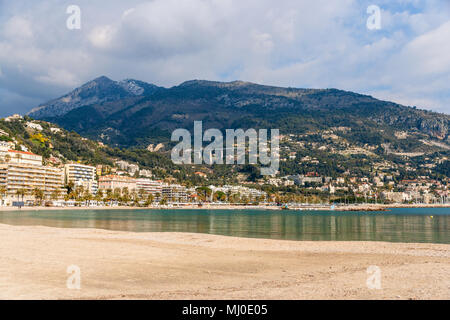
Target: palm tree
(135,198)
(70,186)
(109,194)
(38,195)
(55,194)
(117,194)
(149,200)
(99,195)
(141,194)
(21,193)
(125,195)
(79,191)
(229,196)
(3,191)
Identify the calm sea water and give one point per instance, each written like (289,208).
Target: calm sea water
(397,225)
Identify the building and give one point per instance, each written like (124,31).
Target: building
(149,186)
(81,175)
(21,157)
(175,193)
(396,197)
(249,193)
(35,126)
(128,167)
(27,177)
(114,181)
(145,173)
(14,117)
(301,179)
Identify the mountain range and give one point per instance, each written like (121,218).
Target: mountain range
(132,113)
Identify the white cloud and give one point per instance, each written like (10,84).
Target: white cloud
(102,36)
(17,28)
(295,43)
(58,77)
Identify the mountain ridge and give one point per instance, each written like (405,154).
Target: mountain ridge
(133,113)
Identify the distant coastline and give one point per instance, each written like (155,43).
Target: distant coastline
(359,207)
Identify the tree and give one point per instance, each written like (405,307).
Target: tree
(125,195)
(204,193)
(117,194)
(134,196)
(163,201)
(38,195)
(220,196)
(70,187)
(99,195)
(79,191)
(141,194)
(87,196)
(55,194)
(3,191)
(109,194)
(150,199)
(21,193)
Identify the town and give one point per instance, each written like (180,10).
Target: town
(27,179)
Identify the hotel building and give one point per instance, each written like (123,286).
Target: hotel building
(175,193)
(114,181)
(81,175)
(23,176)
(149,186)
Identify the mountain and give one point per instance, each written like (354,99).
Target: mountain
(133,113)
(97,91)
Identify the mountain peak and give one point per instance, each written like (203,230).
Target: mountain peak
(103,79)
(97,91)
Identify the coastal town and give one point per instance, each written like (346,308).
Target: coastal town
(27,180)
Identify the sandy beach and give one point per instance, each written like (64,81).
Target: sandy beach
(124,265)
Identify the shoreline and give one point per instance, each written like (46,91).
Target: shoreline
(128,265)
(359,207)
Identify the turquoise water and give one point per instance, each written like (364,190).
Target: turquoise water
(397,225)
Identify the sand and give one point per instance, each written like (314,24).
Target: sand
(125,265)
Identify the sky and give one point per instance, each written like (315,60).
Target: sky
(291,43)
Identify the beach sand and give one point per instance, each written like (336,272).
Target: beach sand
(125,265)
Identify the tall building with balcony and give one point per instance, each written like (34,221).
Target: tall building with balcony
(25,177)
(117,182)
(149,186)
(81,175)
(175,193)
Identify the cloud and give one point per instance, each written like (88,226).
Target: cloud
(58,77)
(293,43)
(17,28)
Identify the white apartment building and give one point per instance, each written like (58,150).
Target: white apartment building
(175,193)
(149,186)
(81,175)
(239,190)
(21,157)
